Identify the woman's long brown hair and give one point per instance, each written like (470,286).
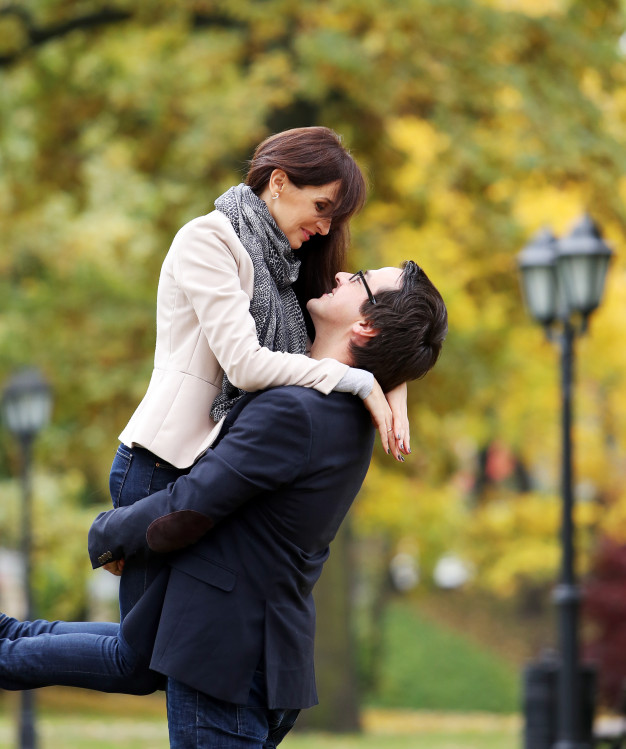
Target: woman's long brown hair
(314,156)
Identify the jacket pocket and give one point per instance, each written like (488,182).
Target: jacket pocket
(206,571)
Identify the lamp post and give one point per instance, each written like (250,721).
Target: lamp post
(563,281)
(26,408)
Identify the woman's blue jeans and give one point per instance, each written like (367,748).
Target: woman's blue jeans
(91,655)
(135,474)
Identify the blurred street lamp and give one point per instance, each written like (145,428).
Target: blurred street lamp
(451,572)
(26,408)
(563,282)
(404,572)
(537,264)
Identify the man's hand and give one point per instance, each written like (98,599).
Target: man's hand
(115,568)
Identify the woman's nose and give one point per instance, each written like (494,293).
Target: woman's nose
(323,225)
(341,278)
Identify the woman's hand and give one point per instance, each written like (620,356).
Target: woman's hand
(397,399)
(382,416)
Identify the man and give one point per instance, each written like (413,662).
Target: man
(230,619)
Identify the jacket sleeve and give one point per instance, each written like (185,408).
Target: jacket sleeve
(206,270)
(267,446)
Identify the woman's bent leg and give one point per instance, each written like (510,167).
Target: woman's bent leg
(78,658)
(135,474)
(12,629)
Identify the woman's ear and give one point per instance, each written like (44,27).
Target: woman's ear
(278,180)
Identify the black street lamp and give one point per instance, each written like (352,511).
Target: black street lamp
(563,281)
(26,408)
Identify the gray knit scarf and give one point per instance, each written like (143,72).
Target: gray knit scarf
(274,306)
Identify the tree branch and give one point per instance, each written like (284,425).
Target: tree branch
(37,36)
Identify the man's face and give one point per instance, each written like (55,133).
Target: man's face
(342,305)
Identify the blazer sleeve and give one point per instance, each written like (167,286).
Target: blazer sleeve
(206,268)
(268,446)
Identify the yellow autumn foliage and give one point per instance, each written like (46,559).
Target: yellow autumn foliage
(514,541)
(529,7)
(478,123)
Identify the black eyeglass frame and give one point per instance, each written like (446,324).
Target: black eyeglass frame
(361,275)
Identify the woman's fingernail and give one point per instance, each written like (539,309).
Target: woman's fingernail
(398,437)
(388,451)
(402,445)
(400,458)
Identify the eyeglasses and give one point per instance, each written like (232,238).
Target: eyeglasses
(361,275)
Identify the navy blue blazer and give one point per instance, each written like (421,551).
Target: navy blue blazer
(264,502)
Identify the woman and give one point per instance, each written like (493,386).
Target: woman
(230,320)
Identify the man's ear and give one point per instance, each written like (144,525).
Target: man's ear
(278,180)
(362,330)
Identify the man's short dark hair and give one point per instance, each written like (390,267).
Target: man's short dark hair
(411,324)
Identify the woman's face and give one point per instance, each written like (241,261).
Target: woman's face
(300,212)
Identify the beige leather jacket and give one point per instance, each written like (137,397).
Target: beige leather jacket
(204,328)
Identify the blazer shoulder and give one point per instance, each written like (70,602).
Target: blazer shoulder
(210,244)
(291,396)
(267,414)
(292,403)
(285,401)
(215,224)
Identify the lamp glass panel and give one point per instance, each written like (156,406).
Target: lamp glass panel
(582,279)
(28,412)
(601,269)
(539,284)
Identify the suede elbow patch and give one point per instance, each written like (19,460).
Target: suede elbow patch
(177,530)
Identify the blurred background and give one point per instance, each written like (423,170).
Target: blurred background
(478,123)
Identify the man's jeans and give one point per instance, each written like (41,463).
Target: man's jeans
(135,474)
(197,721)
(91,655)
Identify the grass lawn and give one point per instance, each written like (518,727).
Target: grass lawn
(59,734)
(429,666)
(148,730)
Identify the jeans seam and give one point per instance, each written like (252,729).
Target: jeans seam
(242,724)
(129,458)
(197,718)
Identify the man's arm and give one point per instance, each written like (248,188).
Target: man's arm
(266,447)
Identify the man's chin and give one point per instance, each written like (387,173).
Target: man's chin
(312,303)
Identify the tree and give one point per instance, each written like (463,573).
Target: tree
(604,609)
